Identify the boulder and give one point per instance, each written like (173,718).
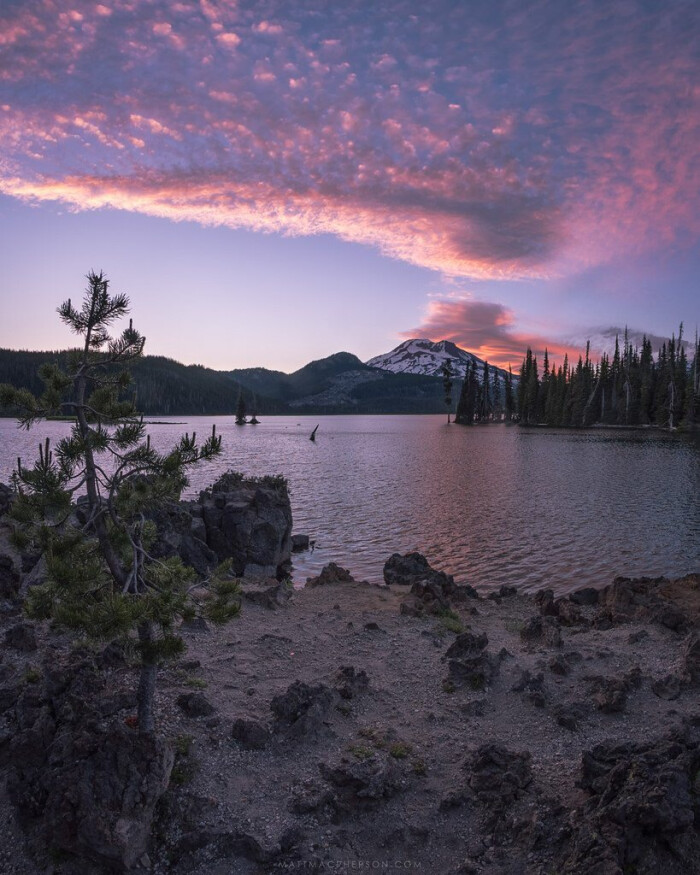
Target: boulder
(532,686)
(640,814)
(497,776)
(584,597)
(300,543)
(468,661)
(690,657)
(9,578)
(81,786)
(250,734)
(431,591)
(673,604)
(269,594)
(250,522)
(195,705)
(331,574)
(541,631)
(301,711)
(350,683)
(368,780)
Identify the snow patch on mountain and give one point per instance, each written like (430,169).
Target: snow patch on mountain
(420,356)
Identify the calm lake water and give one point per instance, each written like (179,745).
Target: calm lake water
(491,505)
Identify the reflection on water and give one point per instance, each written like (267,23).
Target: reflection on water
(491,505)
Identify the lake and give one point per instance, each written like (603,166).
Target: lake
(493,504)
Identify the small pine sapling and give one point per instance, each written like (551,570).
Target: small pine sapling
(102,580)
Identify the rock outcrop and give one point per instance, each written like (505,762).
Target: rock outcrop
(248,521)
(82,786)
(431,591)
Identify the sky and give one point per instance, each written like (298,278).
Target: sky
(271,182)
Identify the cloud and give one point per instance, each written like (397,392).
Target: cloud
(483,140)
(488,330)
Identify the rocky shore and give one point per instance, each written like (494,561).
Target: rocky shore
(416,726)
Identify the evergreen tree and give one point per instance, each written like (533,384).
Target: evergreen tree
(102,580)
(466,406)
(486,404)
(496,395)
(508,396)
(241,410)
(447,382)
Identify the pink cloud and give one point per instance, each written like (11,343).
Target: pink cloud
(488,330)
(551,142)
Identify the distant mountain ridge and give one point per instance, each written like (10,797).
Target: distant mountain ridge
(340,383)
(426,357)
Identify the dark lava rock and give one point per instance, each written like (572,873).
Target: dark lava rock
(249,522)
(532,687)
(610,695)
(653,599)
(668,687)
(636,637)
(406,570)
(300,712)
(541,631)
(560,665)
(544,600)
(9,578)
(566,611)
(691,658)
(311,797)
(268,595)
(250,734)
(331,574)
(427,597)
(431,591)
(585,597)
(469,663)
(195,704)
(497,775)
(370,780)
(570,716)
(21,637)
(300,543)
(503,592)
(350,683)
(80,787)
(641,812)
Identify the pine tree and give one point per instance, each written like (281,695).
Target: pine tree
(241,410)
(486,405)
(102,580)
(508,393)
(447,382)
(466,406)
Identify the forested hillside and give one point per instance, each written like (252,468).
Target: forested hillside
(161,386)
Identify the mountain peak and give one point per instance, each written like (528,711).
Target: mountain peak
(422,356)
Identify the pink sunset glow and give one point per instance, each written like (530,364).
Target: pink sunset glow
(491,142)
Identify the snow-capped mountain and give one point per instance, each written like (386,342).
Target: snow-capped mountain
(426,358)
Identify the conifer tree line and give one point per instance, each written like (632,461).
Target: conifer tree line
(632,388)
(485,396)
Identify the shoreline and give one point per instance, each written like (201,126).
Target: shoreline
(347,721)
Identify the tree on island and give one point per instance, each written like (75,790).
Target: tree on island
(101,579)
(447,382)
(241,411)
(466,406)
